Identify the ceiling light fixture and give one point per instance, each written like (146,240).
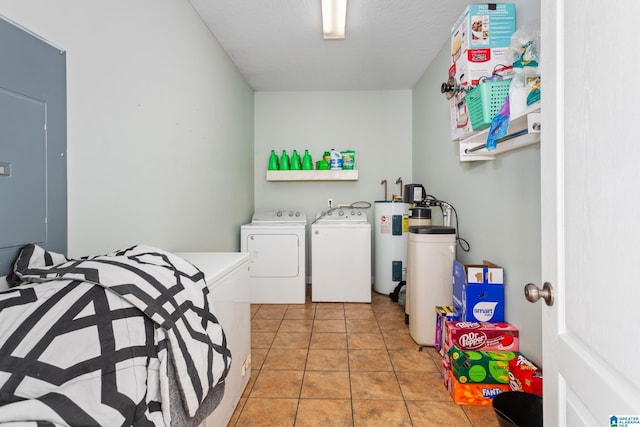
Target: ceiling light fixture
(334,18)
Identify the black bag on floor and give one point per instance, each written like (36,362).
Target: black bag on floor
(396,292)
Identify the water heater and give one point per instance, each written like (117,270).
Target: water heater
(391,223)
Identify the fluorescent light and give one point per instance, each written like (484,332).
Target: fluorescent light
(334,18)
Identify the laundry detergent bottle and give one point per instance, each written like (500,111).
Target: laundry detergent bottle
(307,163)
(335,159)
(273,161)
(296,163)
(284,161)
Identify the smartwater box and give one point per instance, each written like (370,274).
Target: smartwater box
(478,292)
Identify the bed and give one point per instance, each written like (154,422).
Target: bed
(136,337)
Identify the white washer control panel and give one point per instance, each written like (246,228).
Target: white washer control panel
(343,215)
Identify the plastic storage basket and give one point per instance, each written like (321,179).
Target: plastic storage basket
(484,101)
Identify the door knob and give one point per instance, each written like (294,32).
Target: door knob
(533,293)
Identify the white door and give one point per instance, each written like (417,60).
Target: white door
(590,168)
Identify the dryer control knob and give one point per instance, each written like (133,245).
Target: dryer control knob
(279,213)
(290,213)
(341,212)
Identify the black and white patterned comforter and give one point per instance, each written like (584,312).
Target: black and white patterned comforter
(87,342)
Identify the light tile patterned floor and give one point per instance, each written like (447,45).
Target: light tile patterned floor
(345,364)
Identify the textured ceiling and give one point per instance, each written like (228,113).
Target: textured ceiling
(278,44)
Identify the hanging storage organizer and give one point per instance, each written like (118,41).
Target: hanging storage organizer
(484,102)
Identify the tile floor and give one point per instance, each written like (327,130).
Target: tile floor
(345,364)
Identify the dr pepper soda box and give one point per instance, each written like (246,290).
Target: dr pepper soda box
(481,336)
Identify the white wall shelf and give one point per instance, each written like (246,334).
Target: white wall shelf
(524,130)
(313,175)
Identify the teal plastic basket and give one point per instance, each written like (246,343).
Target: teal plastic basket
(484,101)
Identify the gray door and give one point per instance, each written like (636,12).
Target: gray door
(33,184)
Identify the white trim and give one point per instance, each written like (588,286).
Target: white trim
(26,30)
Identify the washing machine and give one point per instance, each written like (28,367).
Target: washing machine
(275,241)
(341,256)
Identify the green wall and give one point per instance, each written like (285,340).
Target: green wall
(160,125)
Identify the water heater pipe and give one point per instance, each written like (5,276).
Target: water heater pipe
(399,181)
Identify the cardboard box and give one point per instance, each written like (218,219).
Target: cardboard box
(485,367)
(480,39)
(474,394)
(524,376)
(443,313)
(481,336)
(483,25)
(485,274)
(477,65)
(446,373)
(460,122)
(478,292)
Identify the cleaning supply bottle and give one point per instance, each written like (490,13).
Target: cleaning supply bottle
(284,161)
(295,161)
(335,159)
(307,163)
(273,161)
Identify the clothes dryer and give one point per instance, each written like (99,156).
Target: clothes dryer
(275,241)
